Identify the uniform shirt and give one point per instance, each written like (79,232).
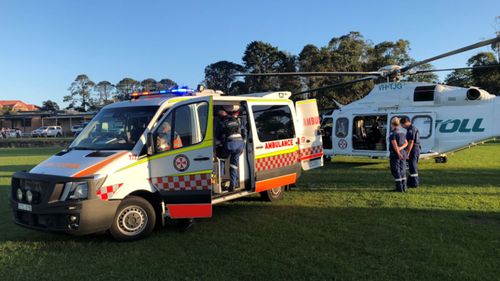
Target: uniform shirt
(228,126)
(400,140)
(413,134)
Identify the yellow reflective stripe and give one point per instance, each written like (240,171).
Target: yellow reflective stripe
(175,100)
(269,100)
(192,173)
(290,150)
(204,144)
(210,121)
(306,101)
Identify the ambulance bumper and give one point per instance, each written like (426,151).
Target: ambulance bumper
(76,217)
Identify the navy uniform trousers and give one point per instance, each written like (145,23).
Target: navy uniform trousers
(234,148)
(414,181)
(398,171)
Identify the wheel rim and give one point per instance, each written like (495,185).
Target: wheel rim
(132,220)
(276,191)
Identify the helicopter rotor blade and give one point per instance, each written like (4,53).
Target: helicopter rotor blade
(367,78)
(328,73)
(457,68)
(451,53)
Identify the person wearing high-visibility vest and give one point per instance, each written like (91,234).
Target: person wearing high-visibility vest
(165,138)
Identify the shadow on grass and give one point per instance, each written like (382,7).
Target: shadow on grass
(297,242)
(15,168)
(350,165)
(343,177)
(32,151)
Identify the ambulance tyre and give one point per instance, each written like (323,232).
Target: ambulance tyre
(273,194)
(135,219)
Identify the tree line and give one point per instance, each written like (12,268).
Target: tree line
(349,52)
(85,94)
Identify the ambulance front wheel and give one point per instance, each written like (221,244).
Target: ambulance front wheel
(134,219)
(273,194)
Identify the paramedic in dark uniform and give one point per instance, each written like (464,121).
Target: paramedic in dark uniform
(413,150)
(397,155)
(230,134)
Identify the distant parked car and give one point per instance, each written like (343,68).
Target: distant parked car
(13,133)
(47,131)
(76,129)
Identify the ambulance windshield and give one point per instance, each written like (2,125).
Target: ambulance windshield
(115,129)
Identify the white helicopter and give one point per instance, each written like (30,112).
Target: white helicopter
(449,118)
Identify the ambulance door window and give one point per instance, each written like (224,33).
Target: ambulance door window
(273,122)
(184,126)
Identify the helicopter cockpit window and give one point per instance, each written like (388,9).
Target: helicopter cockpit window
(369,132)
(424,125)
(341,127)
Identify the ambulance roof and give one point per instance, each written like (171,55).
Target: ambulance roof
(158,100)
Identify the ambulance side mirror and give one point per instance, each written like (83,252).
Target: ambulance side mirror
(150,144)
(320,132)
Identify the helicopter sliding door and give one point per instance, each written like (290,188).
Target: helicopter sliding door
(426,124)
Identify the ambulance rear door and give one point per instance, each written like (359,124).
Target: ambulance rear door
(274,142)
(309,134)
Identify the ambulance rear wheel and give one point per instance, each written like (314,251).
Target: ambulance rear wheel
(273,194)
(134,219)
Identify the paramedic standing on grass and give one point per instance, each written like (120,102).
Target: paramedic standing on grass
(397,155)
(413,150)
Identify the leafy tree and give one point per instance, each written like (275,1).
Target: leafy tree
(459,78)
(263,57)
(105,90)
(430,77)
(4,110)
(50,105)
(166,83)
(80,93)
(219,76)
(389,53)
(485,78)
(149,84)
(350,52)
(125,87)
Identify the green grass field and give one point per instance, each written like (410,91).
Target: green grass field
(340,223)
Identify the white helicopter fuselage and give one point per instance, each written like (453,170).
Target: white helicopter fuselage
(448,118)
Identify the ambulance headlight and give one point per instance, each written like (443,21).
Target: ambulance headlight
(29,196)
(19,194)
(75,190)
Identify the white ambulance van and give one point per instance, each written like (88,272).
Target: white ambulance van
(118,176)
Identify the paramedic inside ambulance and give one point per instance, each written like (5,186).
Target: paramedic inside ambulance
(164,138)
(230,140)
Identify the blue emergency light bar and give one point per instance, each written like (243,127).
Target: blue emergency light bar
(177,91)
